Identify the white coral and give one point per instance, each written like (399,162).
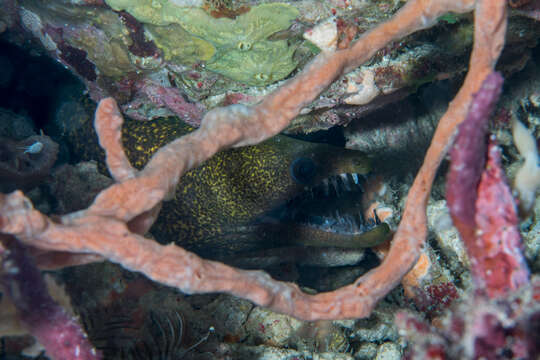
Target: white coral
(363,92)
(527,178)
(324,35)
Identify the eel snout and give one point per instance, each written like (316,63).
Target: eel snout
(330,213)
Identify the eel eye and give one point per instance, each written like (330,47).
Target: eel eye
(303,170)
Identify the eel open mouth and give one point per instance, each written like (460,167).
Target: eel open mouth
(328,214)
(333,205)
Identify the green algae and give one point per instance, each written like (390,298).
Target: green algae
(236,48)
(243,32)
(192,50)
(157,12)
(265,63)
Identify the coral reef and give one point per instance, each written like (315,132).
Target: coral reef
(139,195)
(237,48)
(478,328)
(116,51)
(495,317)
(480,202)
(503,308)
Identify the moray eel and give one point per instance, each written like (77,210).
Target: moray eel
(281,192)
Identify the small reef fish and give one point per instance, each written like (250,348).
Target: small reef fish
(35,148)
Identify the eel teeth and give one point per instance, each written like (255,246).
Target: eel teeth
(325,187)
(346,182)
(309,207)
(335,184)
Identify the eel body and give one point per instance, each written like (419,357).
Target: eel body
(281,192)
